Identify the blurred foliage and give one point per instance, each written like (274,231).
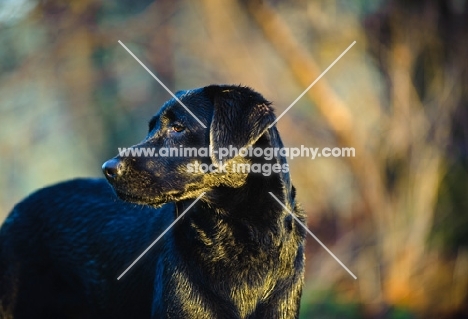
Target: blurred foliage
(396,214)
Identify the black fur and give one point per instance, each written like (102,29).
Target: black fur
(235,254)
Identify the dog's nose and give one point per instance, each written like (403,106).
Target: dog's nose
(112,168)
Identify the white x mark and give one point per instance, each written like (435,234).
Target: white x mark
(313,83)
(162,84)
(160,236)
(312,234)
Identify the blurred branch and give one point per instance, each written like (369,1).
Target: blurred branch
(337,115)
(402,220)
(331,107)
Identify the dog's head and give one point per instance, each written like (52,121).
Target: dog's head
(179,158)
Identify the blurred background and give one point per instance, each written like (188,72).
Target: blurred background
(396,214)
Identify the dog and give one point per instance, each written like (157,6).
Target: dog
(236,253)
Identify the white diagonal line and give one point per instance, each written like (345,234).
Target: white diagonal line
(160,236)
(312,234)
(313,83)
(162,84)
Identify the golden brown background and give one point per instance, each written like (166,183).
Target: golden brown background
(396,214)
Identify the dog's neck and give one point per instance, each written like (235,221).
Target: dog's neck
(253,200)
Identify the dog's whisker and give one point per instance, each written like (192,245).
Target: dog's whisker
(236,246)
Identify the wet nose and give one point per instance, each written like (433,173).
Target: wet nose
(113,168)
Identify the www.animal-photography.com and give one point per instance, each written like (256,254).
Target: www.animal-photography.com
(233,159)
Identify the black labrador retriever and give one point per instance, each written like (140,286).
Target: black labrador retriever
(237,253)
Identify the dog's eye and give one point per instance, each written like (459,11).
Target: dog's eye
(177,128)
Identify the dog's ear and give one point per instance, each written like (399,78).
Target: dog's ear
(240,117)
